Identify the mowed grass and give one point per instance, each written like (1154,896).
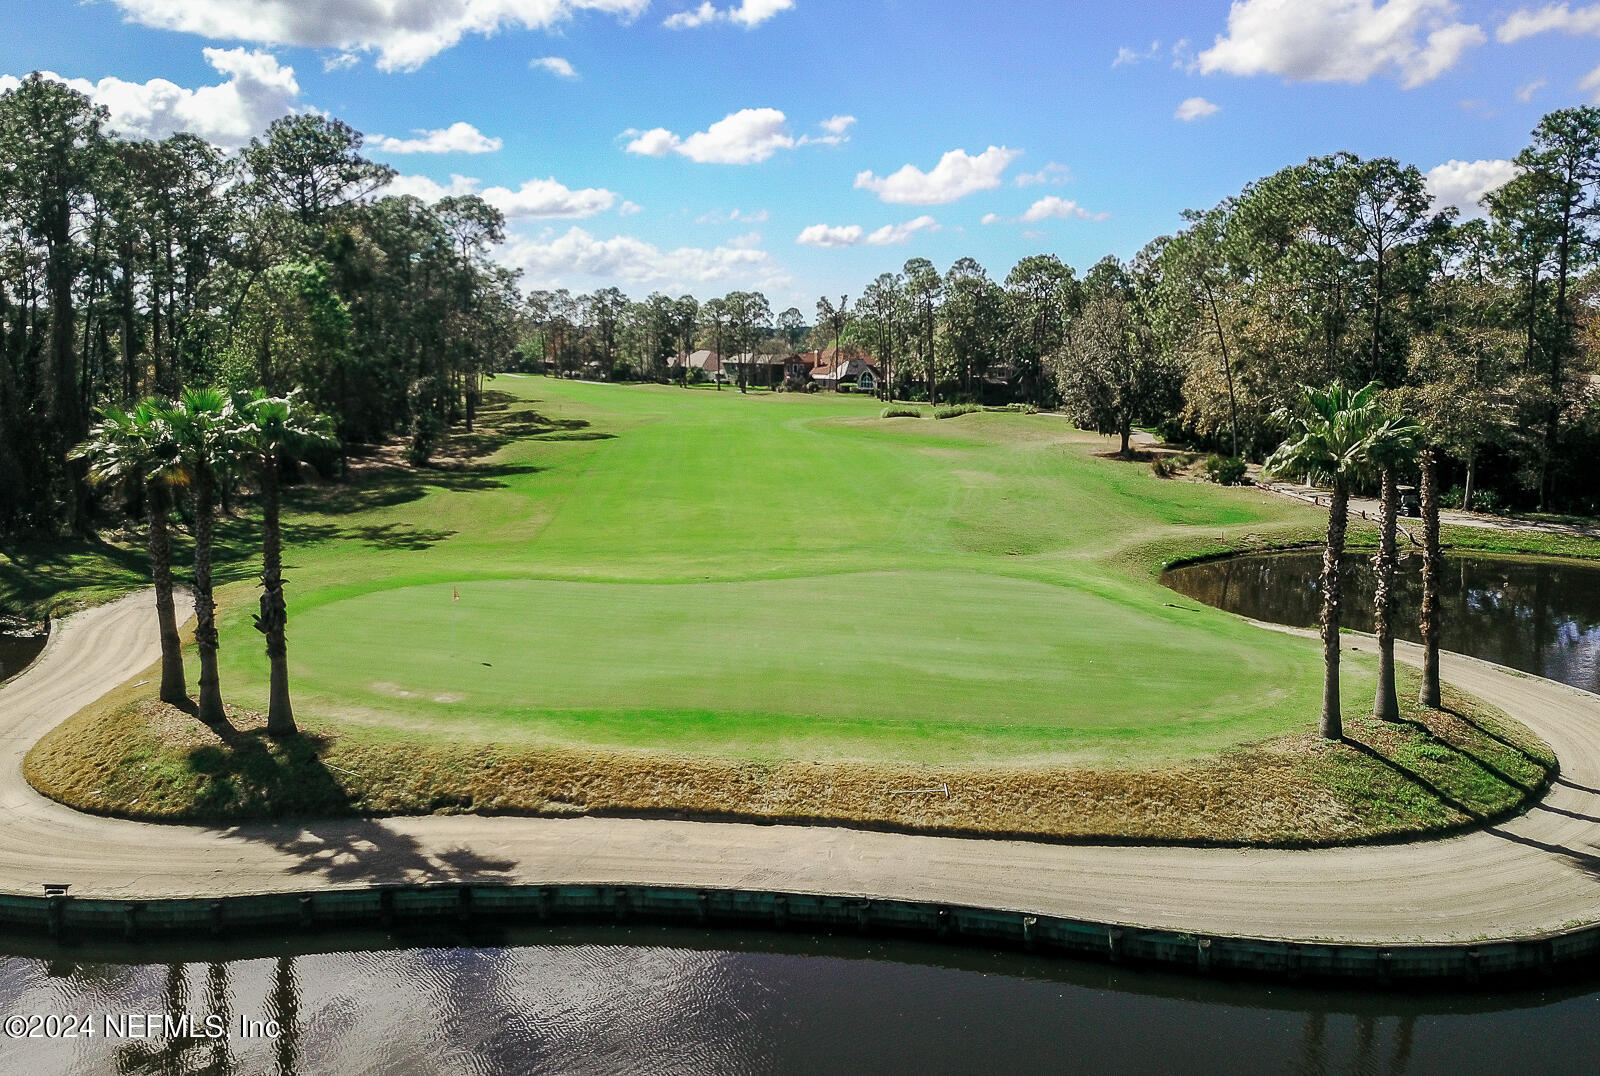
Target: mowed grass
(777,577)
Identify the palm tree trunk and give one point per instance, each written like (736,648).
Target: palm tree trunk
(1385,704)
(173,688)
(1431,564)
(274,615)
(1332,726)
(205,609)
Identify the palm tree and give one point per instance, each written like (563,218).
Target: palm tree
(138,448)
(1330,439)
(275,430)
(1428,491)
(206,453)
(1393,447)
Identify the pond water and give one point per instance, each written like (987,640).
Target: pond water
(18,647)
(1540,616)
(650,1001)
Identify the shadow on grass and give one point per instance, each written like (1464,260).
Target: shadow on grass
(1483,764)
(1416,778)
(34,571)
(398,536)
(249,773)
(1495,736)
(1584,858)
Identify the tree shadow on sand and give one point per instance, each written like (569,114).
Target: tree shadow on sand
(251,774)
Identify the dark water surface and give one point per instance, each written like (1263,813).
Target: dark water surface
(646,1001)
(17,649)
(1540,616)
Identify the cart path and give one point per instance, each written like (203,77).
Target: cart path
(1535,873)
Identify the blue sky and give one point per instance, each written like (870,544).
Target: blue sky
(803,146)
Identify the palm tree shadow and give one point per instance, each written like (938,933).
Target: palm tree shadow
(1488,767)
(1416,778)
(248,774)
(1588,862)
(1491,734)
(342,851)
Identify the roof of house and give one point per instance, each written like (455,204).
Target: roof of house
(843,371)
(709,361)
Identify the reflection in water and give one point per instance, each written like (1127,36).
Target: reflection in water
(620,1000)
(1538,616)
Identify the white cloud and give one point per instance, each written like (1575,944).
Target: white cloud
(404,33)
(1464,183)
(850,235)
(748,136)
(537,199)
(828,235)
(1126,56)
(656,142)
(737,216)
(1525,93)
(456,138)
(1590,83)
(429,191)
(833,132)
(955,176)
(891,234)
(749,14)
(543,198)
(1341,40)
(688,20)
(556,65)
(341,61)
(1194,108)
(1052,173)
(258,90)
(1557,18)
(628,209)
(992,218)
(1052,207)
(553,260)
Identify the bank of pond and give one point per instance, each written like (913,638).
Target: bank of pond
(639,999)
(19,645)
(1541,616)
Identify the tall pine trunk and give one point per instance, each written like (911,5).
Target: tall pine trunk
(1432,562)
(1386,703)
(205,608)
(173,688)
(1332,726)
(274,616)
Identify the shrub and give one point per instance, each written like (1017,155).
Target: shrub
(1225,470)
(1016,408)
(900,412)
(956,411)
(1165,466)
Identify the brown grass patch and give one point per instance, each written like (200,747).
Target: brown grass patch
(1436,772)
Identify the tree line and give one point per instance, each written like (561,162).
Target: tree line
(138,268)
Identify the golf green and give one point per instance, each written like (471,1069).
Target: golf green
(775,576)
